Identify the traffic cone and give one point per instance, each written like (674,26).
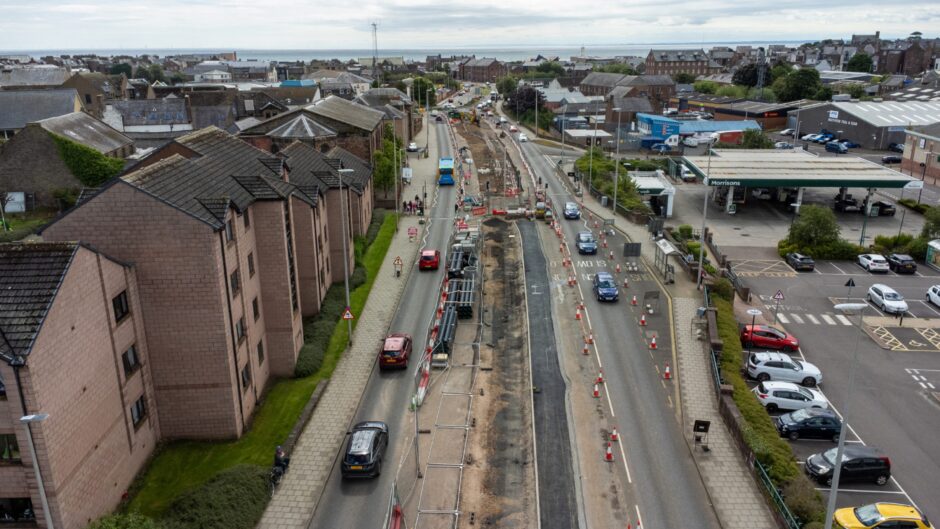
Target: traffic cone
(653,343)
(595,224)
(611,255)
(626,283)
(642,320)
(597,392)
(570,281)
(633,301)
(577,314)
(614,436)
(590,338)
(667,374)
(581,304)
(584,350)
(600,377)
(618,268)
(604,242)
(609,456)
(561,247)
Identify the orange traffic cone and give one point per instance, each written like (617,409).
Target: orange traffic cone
(618,268)
(642,320)
(610,255)
(633,301)
(626,283)
(667,374)
(584,351)
(561,248)
(600,377)
(577,314)
(597,392)
(609,456)
(653,343)
(604,243)
(590,338)
(614,436)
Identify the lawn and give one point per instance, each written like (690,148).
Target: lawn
(187,464)
(23,224)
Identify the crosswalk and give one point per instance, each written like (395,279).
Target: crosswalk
(822,319)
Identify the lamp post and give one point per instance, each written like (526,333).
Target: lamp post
(923,174)
(617,161)
(28,420)
(754,313)
(345,204)
(848,308)
(427,114)
(591,152)
(564,121)
(701,250)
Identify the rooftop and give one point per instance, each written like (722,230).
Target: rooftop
(354,114)
(84,129)
(19,107)
(893,113)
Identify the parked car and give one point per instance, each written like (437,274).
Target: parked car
(810,137)
(896,147)
(836,147)
(933,295)
(798,262)
(859,463)
(824,138)
(761,193)
(690,141)
(770,365)
(887,299)
(586,243)
(661,148)
(605,287)
(783,145)
(439,119)
(890,159)
(430,260)
(767,337)
(412,147)
(848,205)
(850,144)
(786,132)
(873,262)
(572,212)
(902,263)
(365,450)
(884,209)
(881,515)
(788,396)
(809,423)
(396,350)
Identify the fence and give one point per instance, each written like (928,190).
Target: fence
(775,497)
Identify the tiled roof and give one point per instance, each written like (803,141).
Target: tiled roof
(33,76)
(19,107)
(354,114)
(679,55)
(648,80)
(84,129)
(361,174)
(167,111)
(602,79)
(632,104)
(30,276)
(302,127)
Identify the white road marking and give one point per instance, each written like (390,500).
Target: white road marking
(922,385)
(860,491)
(812,318)
(931,385)
(843,320)
(826,318)
(797,318)
(639,519)
(623,457)
(837,268)
(783,319)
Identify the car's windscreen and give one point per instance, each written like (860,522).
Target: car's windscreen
(893,296)
(830,456)
(585,237)
(799,415)
(868,515)
(606,283)
(391,352)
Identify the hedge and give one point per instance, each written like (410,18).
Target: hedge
(233,499)
(840,250)
(760,433)
(89,166)
(912,204)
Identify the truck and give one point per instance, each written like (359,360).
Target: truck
(729,136)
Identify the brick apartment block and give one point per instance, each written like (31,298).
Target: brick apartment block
(75,348)
(228,256)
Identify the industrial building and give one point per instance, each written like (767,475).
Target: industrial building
(871,124)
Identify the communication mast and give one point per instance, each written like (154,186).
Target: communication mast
(375,53)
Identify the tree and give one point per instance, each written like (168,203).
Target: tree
(823,94)
(506,85)
(177,78)
(860,62)
(747,75)
(552,68)
(780,70)
(816,226)
(683,78)
(156,73)
(385,172)
(124,521)
(705,87)
(731,91)
(523,99)
(755,139)
(855,90)
(801,84)
(122,68)
(624,69)
(931,224)
(420,89)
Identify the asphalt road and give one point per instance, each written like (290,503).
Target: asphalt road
(361,503)
(889,406)
(663,482)
(558,507)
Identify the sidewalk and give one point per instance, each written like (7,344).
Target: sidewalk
(729,483)
(297,497)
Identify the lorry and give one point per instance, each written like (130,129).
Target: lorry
(728,136)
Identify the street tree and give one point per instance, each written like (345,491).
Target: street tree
(931,228)
(506,85)
(801,84)
(816,226)
(420,89)
(756,139)
(705,87)
(860,62)
(122,68)
(683,78)
(747,75)
(551,68)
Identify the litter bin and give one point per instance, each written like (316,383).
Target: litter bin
(604,201)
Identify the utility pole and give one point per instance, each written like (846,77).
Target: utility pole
(375,53)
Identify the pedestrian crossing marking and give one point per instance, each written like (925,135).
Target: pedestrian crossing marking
(843,319)
(828,319)
(812,319)
(782,318)
(797,318)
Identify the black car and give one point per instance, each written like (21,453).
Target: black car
(365,450)
(809,423)
(586,243)
(859,463)
(801,262)
(885,209)
(890,159)
(848,204)
(901,263)
(896,147)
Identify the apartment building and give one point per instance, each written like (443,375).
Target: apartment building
(671,62)
(217,236)
(74,349)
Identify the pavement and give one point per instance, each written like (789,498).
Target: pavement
(312,460)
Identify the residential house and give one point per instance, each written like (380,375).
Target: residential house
(96,89)
(337,82)
(19,107)
(358,175)
(599,83)
(252,71)
(213,76)
(32,162)
(139,89)
(150,122)
(41,76)
(213,228)
(672,62)
(75,351)
(482,70)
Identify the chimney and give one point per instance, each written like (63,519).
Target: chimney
(189,108)
(99,102)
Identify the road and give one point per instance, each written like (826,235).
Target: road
(663,484)
(362,503)
(890,405)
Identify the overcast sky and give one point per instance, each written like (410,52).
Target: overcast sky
(319,24)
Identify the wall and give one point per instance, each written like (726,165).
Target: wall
(30,162)
(335,227)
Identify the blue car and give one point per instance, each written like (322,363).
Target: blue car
(836,147)
(571,211)
(850,144)
(825,138)
(661,148)
(605,288)
(586,243)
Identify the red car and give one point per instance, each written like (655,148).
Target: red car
(769,337)
(395,351)
(430,260)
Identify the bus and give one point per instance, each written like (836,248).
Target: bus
(445,171)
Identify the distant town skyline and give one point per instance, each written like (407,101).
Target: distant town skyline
(421,24)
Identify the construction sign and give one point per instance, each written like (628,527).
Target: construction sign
(348,315)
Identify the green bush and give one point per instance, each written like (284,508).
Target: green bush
(886,244)
(840,250)
(233,499)
(89,166)
(804,500)
(693,248)
(722,288)
(319,329)
(125,521)
(917,248)
(710,269)
(685,231)
(912,204)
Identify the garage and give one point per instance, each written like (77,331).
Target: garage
(871,124)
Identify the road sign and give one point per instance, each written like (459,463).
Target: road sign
(850,283)
(779,296)
(348,315)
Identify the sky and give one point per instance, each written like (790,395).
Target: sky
(411,24)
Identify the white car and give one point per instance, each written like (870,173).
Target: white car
(523,138)
(788,396)
(786,132)
(769,365)
(873,262)
(412,147)
(887,299)
(810,137)
(933,295)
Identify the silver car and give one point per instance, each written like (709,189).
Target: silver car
(887,299)
(770,365)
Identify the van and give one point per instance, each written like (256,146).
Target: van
(690,142)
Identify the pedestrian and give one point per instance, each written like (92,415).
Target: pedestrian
(404,207)
(456,207)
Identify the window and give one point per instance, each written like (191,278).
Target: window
(138,411)
(130,360)
(17,510)
(240,329)
(256,308)
(246,378)
(229,231)
(3,390)
(247,220)
(234,281)
(9,450)
(261,352)
(87,99)
(251,265)
(120,306)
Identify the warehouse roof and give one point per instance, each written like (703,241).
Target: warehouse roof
(701,126)
(892,113)
(796,168)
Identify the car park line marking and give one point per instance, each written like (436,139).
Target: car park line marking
(828,319)
(837,268)
(797,318)
(843,319)
(639,519)
(861,491)
(930,306)
(812,319)
(782,319)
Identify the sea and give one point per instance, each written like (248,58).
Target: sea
(502,53)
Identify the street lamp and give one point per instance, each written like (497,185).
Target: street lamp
(616,160)
(701,250)
(591,152)
(27,420)
(427,114)
(923,174)
(754,314)
(848,308)
(345,204)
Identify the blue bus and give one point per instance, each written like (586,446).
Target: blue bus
(445,172)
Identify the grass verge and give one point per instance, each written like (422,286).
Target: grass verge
(184,465)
